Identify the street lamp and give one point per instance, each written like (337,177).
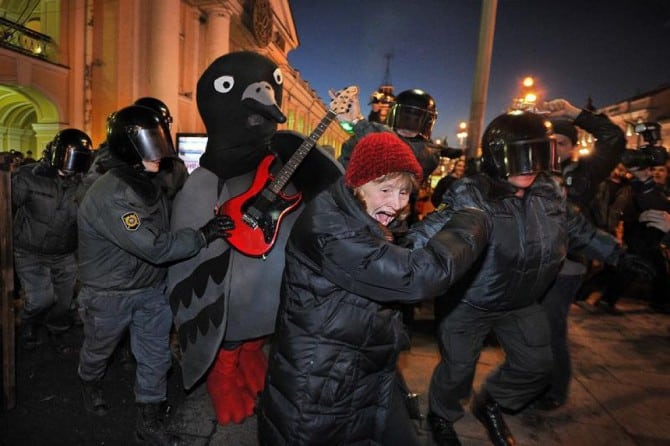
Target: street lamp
(527,99)
(462,133)
(528,82)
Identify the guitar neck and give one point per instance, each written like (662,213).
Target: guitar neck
(292,164)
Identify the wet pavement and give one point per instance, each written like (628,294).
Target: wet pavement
(620,391)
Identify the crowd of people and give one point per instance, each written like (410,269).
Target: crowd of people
(138,247)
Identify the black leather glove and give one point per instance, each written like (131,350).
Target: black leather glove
(635,267)
(217,227)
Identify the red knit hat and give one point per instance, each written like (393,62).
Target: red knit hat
(378,154)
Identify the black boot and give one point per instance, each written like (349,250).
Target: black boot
(487,411)
(150,427)
(94,402)
(443,431)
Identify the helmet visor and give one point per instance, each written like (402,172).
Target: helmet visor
(76,160)
(528,157)
(413,119)
(151,144)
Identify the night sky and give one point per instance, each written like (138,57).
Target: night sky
(609,50)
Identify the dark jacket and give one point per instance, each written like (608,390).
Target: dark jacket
(332,363)
(606,208)
(638,237)
(583,176)
(529,241)
(124,238)
(45,220)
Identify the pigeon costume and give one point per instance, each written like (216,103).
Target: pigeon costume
(225,302)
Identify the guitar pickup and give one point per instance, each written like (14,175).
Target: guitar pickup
(250,219)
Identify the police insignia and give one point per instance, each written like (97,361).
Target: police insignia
(131,221)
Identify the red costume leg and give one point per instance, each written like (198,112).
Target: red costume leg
(253,365)
(231,399)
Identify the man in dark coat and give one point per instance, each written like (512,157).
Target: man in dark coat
(45,233)
(532,230)
(125,246)
(581,176)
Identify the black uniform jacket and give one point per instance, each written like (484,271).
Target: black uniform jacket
(529,241)
(45,220)
(125,241)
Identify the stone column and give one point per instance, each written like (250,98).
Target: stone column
(44,133)
(217,34)
(163,54)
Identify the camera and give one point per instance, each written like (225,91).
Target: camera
(649,154)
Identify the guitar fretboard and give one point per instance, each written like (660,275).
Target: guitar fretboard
(292,164)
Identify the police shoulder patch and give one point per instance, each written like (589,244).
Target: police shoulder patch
(131,221)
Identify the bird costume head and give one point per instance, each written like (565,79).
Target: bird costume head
(239,98)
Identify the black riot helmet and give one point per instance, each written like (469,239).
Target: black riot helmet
(137,133)
(70,151)
(413,111)
(159,106)
(517,143)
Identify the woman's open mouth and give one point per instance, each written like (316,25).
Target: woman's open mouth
(384,218)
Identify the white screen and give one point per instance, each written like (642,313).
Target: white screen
(190,147)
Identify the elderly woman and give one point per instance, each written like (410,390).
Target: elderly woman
(331,377)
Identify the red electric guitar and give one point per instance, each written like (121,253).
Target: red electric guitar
(258,212)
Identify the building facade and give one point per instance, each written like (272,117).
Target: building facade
(71,63)
(649,106)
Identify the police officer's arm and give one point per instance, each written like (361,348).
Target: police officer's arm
(585,239)
(597,244)
(137,232)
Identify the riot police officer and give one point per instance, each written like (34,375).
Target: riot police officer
(125,245)
(412,117)
(45,233)
(533,227)
(173,172)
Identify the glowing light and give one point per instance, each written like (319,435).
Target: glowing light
(347,126)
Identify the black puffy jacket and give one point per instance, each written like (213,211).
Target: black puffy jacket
(45,220)
(338,333)
(529,241)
